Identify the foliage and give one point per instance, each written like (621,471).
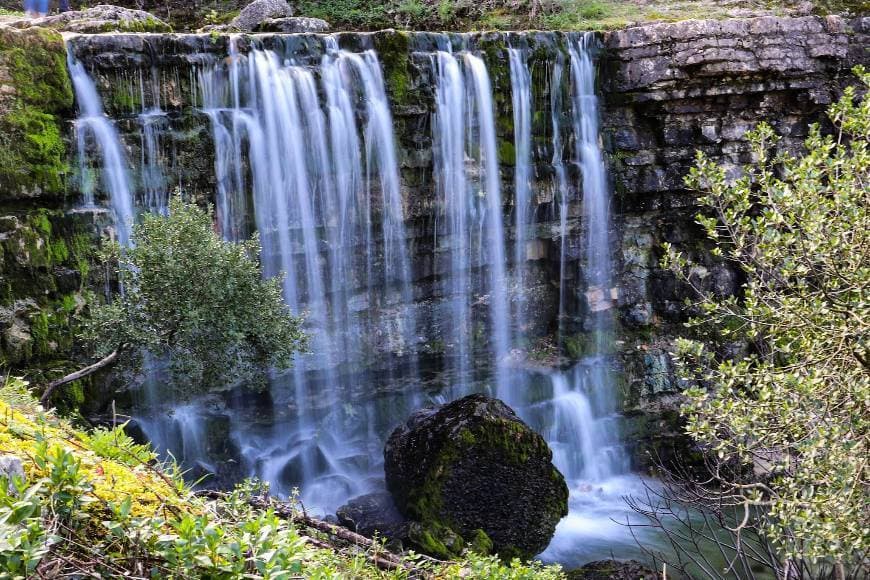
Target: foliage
(788,419)
(196,302)
(80,512)
(116,444)
(854,7)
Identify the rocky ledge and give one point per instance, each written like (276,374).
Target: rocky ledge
(96,20)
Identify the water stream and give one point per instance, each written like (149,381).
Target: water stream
(305,155)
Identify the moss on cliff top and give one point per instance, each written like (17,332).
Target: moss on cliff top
(35,93)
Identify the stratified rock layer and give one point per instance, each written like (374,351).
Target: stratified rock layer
(472,465)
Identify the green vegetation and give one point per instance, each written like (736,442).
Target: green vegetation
(32,152)
(556,15)
(787,424)
(197,302)
(98,504)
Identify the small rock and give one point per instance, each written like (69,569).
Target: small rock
(374,513)
(293,24)
(10,467)
(258,12)
(612,570)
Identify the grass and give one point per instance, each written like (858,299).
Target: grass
(613,14)
(552,15)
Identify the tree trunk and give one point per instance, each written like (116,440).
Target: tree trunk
(80,374)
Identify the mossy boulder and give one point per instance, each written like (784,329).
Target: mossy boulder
(473,474)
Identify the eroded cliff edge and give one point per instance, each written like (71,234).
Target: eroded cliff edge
(667,90)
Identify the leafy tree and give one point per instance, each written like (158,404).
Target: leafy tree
(787,421)
(196,303)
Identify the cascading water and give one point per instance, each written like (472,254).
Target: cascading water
(471,198)
(93,127)
(521,98)
(304,154)
(325,189)
(584,432)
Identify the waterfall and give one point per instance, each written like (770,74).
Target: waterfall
(585,428)
(93,126)
(327,202)
(521,99)
(556,112)
(467,173)
(305,155)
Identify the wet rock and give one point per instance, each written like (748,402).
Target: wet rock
(258,12)
(293,24)
(101,18)
(471,472)
(612,570)
(11,468)
(374,513)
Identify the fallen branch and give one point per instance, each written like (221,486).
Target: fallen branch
(80,374)
(380,557)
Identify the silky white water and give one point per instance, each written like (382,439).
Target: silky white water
(94,130)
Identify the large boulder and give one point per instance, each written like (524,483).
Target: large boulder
(259,11)
(471,472)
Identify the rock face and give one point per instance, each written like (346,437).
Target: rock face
(101,18)
(472,467)
(293,24)
(258,12)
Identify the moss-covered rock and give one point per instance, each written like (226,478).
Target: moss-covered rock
(393,48)
(45,263)
(473,474)
(35,94)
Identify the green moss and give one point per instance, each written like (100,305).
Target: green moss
(393,48)
(507,154)
(588,343)
(149,24)
(437,540)
(39,221)
(124,99)
(40,332)
(32,151)
(480,543)
(34,245)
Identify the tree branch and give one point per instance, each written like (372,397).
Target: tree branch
(79,374)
